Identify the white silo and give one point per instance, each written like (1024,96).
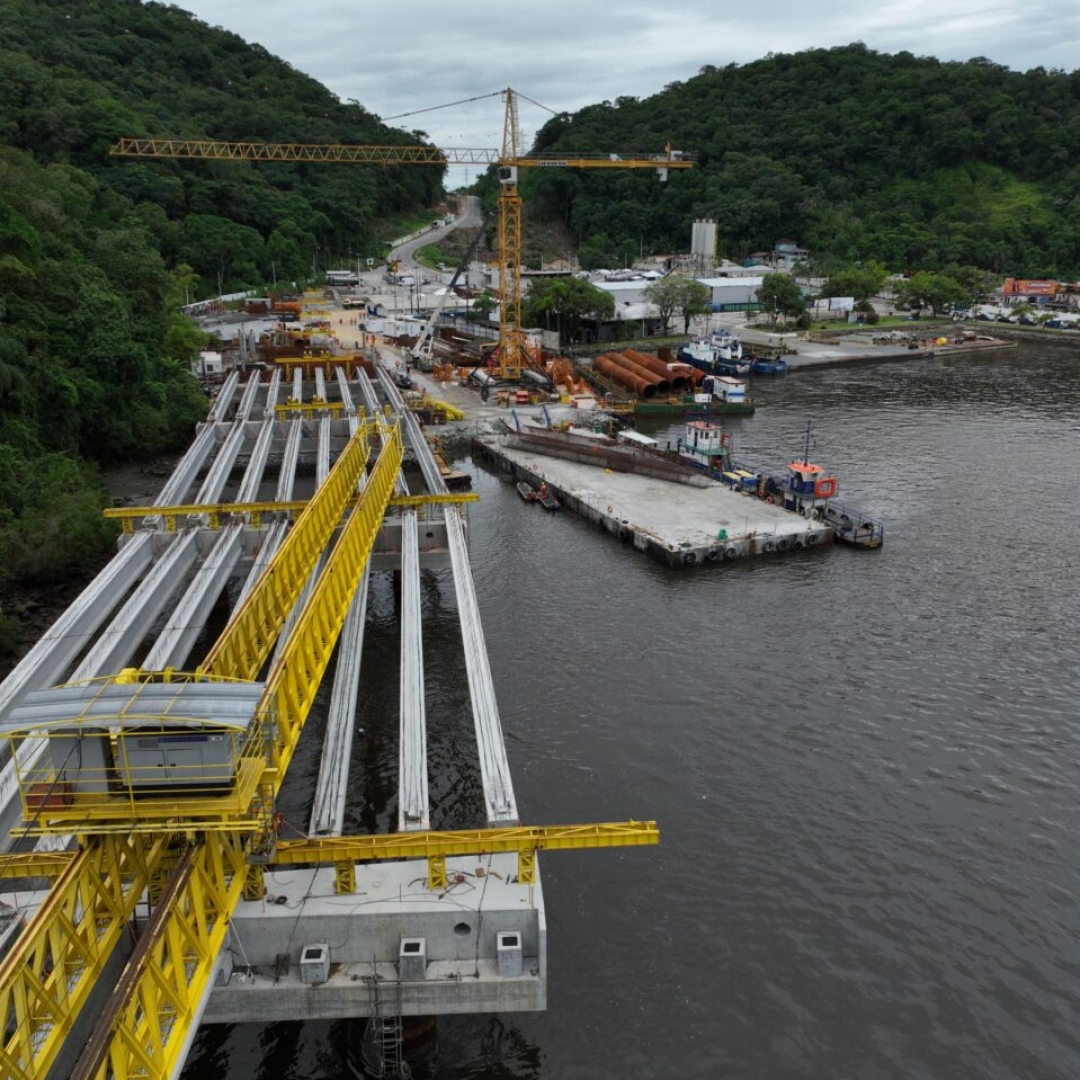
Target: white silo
(703,238)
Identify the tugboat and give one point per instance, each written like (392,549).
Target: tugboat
(707,447)
(808,490)
(719,355)
(768,365)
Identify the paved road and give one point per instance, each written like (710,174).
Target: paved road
(405,254)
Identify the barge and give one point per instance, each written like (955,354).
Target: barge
(720,395)
(680,520)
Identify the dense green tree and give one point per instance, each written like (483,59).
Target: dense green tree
(678,294)
(74,83)
(779,294)
(935,291)
(859,282)
(285,250)
(485,303)
(977,283)
(562,303)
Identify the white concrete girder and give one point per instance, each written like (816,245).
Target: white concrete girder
(331,788)
(413,809)
(371,403)
(115,647)
(175,642)
(220,408)
(498,786)
(287,476)
(344,392)
(183,477)
(247,401)
(249,486)
(218,476)
(322,462)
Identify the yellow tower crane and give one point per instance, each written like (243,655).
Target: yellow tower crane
(511,344)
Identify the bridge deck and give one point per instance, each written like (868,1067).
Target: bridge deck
(149,607)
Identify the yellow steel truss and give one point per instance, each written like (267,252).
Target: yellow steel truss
(417,502)
(452,411)
(29,864)
(246,642)
(129,516)
(143,1031)
(295,678)
(219,150)
(308,408)
(46,977)
(213,512)
(437,847)
(344,852)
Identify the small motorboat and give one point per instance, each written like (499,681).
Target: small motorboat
(768,365)
(546,499)
(526,491)
(852,526)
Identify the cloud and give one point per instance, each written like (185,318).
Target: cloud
(566,54)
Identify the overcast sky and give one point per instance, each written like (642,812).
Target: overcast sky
(564,54)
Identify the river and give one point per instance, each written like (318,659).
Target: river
(865,765)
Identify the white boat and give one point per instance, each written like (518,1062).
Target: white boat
(705,446)
(714,358)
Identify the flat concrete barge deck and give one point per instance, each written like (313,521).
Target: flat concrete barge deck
(677,524)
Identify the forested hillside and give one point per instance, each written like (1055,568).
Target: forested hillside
(855,154)
(859,156)
(97,253)
(77,74)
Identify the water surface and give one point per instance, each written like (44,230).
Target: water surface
(865,765)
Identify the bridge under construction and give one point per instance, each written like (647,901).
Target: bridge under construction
(150,881)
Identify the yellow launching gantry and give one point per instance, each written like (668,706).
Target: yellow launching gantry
(512,357)
(191,846)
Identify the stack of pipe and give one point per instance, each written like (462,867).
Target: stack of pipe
(662,379)
(606,365)
(657,366)
(691,374)
(661,382)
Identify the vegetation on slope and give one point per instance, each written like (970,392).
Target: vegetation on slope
(97,253)
(78,74)
(857,155)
